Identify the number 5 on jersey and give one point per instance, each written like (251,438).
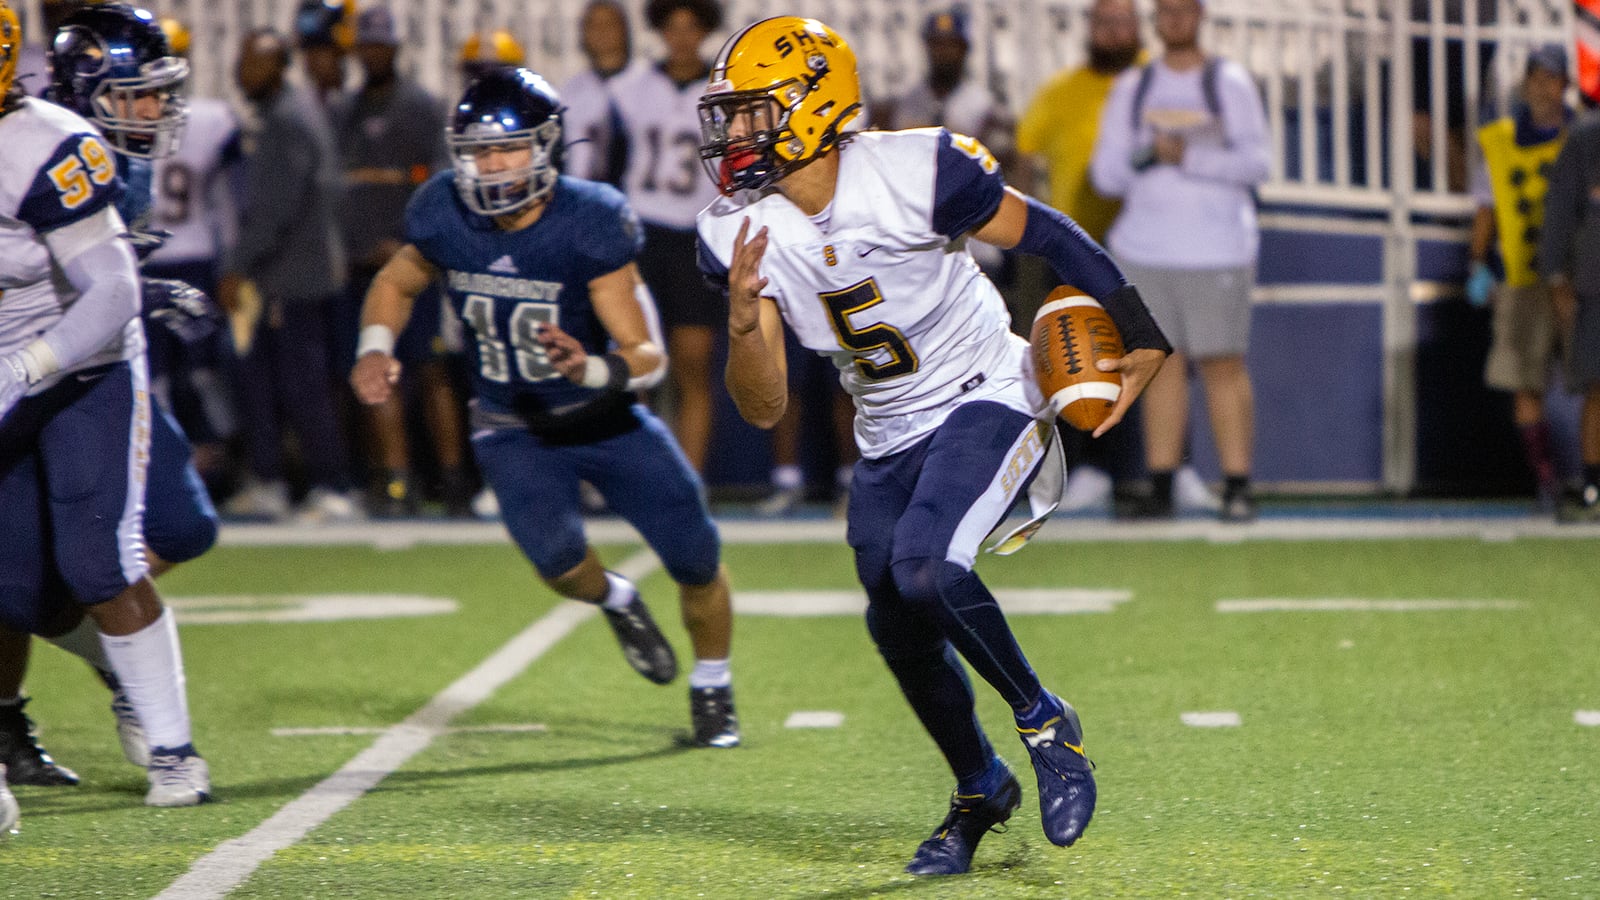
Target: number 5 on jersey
(73,175)
(902,360)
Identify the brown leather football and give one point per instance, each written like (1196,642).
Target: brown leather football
(1071,332)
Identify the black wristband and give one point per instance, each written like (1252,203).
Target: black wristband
(616,372)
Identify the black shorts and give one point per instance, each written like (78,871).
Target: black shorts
(668,265)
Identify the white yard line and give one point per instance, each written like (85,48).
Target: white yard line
(226,867)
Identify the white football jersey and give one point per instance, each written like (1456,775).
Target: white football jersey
(54,171)
(191,201)
(590,119)
(665,183)
(902,310)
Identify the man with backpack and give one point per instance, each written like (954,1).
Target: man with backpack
(1183,142)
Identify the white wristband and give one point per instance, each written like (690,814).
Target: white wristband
(595,372)
(375,339)
(39,358)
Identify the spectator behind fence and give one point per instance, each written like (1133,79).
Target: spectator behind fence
(391,139)
(1183,141)
(1569,261)
(1060,125)
(1509,187)
(664,183)
(324,33)
(596,149)
(283,280)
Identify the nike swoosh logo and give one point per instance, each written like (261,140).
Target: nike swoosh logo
(864,253)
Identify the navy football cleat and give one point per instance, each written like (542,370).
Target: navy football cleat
(711,713)
(25,761)
(1066,785)
(643,644)
(949,851)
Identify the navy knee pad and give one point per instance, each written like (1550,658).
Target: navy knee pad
(182,537)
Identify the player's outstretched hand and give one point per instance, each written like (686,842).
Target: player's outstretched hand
(1137,368)
(744,280)
(564,352)
(374,377)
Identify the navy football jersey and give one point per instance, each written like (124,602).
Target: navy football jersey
(504,284)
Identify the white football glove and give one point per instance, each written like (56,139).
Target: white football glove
(13,381)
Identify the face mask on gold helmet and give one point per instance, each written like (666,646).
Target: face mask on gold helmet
(10,47)
(780,93)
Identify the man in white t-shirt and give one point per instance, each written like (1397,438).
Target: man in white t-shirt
(1183,142)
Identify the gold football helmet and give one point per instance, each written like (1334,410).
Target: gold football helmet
(780,93)
(491,50)
(10,47)
(178,36)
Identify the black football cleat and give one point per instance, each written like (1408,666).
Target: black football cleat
(643,644)
(1066,782)
(711,713)
(949,851)
(25,761)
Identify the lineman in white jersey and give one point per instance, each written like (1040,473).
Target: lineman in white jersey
(664,185)
(75,413)
(857,242)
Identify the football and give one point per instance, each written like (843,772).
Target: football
(1071,332)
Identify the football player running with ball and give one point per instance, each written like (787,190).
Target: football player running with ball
(541,268)
(856,241)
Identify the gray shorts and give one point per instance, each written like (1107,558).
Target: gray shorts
(1526,341)
(1205,313)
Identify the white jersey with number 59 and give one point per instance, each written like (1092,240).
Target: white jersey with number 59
(881,282)
(56,175)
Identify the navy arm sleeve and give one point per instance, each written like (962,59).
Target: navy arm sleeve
(967,185)
(1082,263)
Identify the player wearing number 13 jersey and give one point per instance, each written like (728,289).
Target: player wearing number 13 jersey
(540,268)
(857,242)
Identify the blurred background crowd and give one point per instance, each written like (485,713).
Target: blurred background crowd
(1401,332)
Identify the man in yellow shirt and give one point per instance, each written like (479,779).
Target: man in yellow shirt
(1061,122)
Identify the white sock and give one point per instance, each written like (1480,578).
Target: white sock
(787,477)
(149,664)
(84,643)
(620,594)
(710,673)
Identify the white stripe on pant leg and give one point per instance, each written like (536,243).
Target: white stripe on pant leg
(1021,461)
(130,528)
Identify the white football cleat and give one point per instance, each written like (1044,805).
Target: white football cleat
(1189,492)
(1088,489)
(259,500)
(178,777)
(486,505)
(324,506)
(10,813)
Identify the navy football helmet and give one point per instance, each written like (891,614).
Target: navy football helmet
(107,63)
(506,109)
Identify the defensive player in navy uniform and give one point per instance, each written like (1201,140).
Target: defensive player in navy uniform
(540,268)
(856,241)
(75,418)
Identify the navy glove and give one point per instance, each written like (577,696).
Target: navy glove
(183,309)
